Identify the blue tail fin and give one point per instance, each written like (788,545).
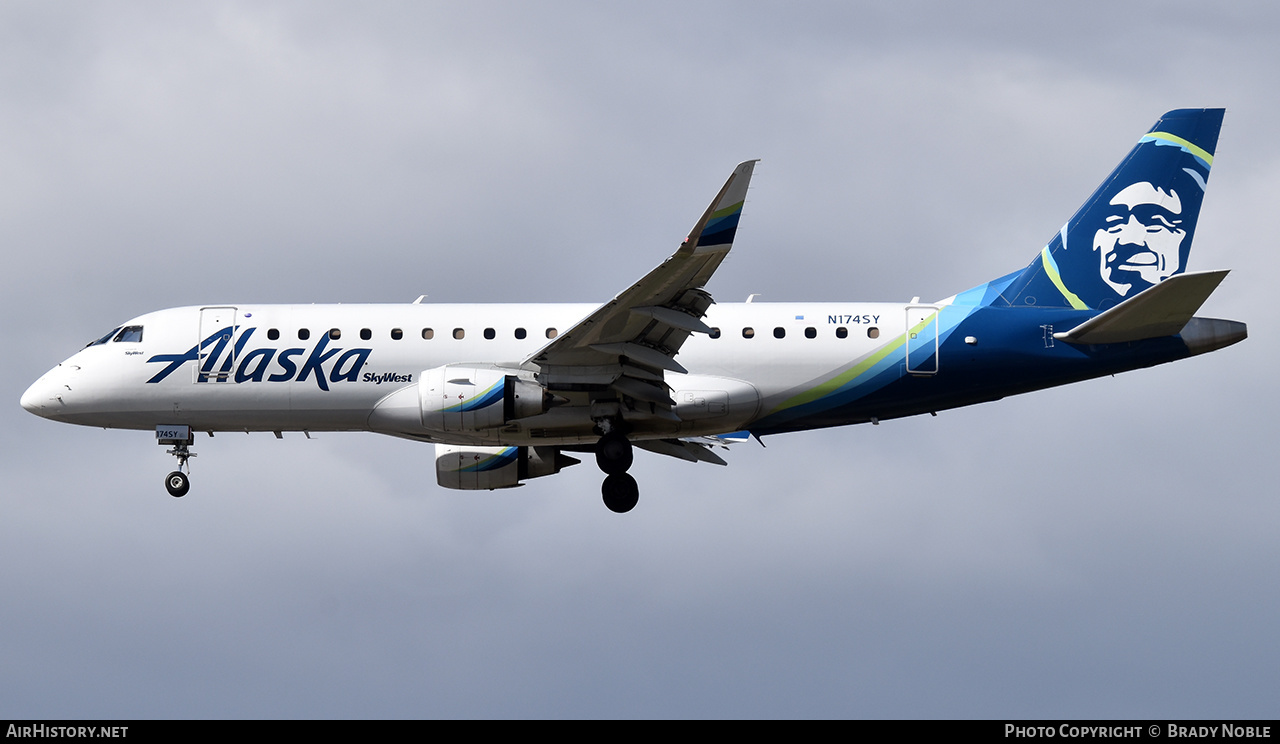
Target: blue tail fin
(1136,229)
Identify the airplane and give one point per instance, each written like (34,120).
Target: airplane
(506,392)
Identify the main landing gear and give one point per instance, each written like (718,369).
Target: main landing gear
(614,456)
(181,437)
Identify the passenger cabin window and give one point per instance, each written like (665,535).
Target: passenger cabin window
(273,333)
(489,333)
(521,333)
(779,332)
(365,334)
(715,333)
(458,333)
(811,332)
(104,339)
(552,333)
(335,334)
(303,334)
(842,332)
(748,332)
(428,333)
(129,333)
(873,332)
(396,334)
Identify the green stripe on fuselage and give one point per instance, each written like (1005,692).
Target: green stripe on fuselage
(839,381)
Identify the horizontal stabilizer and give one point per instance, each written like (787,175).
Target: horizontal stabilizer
(1162,310)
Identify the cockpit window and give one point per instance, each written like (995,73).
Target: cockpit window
(129,333)
(104,339)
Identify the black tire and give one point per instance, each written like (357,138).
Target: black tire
(177,483)
(620,493)
(613,454)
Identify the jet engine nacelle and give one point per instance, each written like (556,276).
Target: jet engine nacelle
(475,468)
(457,398)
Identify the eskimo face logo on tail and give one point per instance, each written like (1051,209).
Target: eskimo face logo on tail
(1140,241)
(1136,229)
(265,364)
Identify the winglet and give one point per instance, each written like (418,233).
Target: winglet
(1162,310)
(719,223)
(638,333)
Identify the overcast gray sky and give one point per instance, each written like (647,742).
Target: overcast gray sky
(1107,549)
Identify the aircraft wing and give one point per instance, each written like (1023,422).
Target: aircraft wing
(628,342)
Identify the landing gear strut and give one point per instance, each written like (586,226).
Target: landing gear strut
(181,437)
(614,456)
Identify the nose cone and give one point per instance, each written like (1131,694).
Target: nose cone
(43,398)
(33,400)
(30,399)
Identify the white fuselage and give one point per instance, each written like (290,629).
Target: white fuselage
(356,367)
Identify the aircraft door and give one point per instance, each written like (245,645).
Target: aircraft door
(922,340)
(217,326)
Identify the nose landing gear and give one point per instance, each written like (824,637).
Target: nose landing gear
(178,484)
(614,456)
(181,437)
